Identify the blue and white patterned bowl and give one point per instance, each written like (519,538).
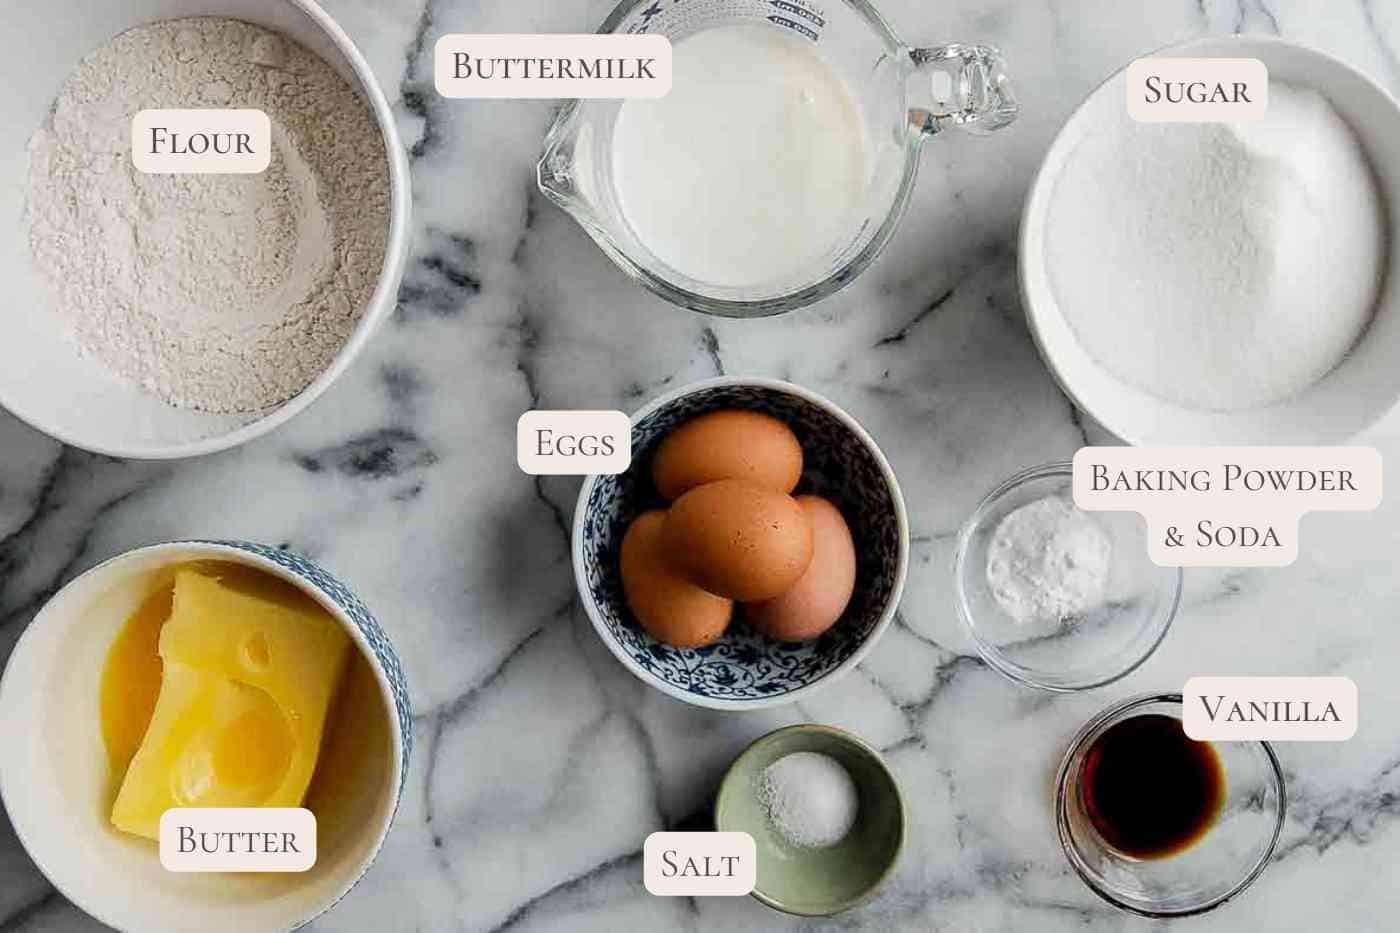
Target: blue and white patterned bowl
(745,670)
(56,785)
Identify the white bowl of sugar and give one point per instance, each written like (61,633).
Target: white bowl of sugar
(1224,285)
(171,316)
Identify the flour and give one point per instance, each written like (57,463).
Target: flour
(1219,266)
(1048,562)
(225,293)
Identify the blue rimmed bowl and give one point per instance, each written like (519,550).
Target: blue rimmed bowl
(56,784)
(745,670)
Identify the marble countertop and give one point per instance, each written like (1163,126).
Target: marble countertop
(540,763)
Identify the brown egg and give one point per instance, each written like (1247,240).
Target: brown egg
(815,601)
(671,608)
(728,445)
(738,539)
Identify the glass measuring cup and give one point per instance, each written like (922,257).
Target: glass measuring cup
(904,94)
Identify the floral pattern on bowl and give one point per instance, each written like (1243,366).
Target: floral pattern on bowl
(745,669)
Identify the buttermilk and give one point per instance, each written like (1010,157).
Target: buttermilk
(548,69)
(751,171)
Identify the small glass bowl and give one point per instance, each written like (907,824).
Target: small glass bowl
(1222,863)
(1104,644)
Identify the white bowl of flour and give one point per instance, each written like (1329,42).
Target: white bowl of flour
(1224,284)
(172,316)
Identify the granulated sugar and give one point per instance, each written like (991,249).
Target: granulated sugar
(1219,266)
(225,293)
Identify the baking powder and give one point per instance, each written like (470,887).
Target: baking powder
(1048,562)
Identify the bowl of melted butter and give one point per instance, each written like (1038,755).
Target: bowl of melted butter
(201,675)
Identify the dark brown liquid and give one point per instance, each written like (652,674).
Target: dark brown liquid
(1149,790)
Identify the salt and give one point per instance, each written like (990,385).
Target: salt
(810,799)
(1218,266)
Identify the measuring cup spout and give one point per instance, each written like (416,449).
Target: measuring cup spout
(959,85)
(558,170)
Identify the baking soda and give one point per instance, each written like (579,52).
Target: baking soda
(1048,562)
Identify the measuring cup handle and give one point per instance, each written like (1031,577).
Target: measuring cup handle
(960,85)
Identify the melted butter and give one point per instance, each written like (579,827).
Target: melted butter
(131,681)
(216,693)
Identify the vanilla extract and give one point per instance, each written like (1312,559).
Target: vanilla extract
(1149,790)
(1269,711)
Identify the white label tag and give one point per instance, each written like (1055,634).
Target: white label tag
(1271,709)
(549,66)
(201,142)
(253,839)
(1226,506)
(573,443)
(1197,90)
(699,864)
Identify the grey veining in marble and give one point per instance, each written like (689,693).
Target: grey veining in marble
(541,765)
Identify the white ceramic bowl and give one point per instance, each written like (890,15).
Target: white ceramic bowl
(43,380)
(54,777)
(745,670)
(1361,390)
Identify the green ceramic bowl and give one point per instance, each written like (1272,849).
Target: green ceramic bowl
(816,882)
